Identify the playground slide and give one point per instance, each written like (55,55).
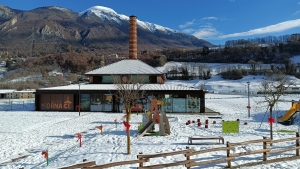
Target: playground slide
(144,130)
(288,114)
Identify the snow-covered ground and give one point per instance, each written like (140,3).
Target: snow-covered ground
(217,84)
(28,133)
(25,133)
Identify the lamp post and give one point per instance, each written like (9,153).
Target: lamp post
(248,99)
(79,99)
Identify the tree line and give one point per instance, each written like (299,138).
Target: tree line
(274,51)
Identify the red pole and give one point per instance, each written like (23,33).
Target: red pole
(79,138)
(80,142)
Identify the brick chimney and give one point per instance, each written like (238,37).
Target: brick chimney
(132,38)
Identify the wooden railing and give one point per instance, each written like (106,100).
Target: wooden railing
(263,150)
(188,153)
(184,162)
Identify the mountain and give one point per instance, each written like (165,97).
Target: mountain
(54,29)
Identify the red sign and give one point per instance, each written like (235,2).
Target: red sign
(45,154)
(127,126)
(271,120)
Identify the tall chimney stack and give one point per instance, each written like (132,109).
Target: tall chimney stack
(132,38)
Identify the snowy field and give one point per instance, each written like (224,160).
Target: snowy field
(28,133)
(25,134)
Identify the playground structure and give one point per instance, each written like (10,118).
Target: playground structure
(285,119)
(155,115)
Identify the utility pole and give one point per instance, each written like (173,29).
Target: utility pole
(79,107)
(248,107)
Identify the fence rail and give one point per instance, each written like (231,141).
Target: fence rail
(188,153)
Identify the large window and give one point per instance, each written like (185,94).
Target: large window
(96,99)
(85,102)
(107,80)
(193,104)
(179,105)
(108,106)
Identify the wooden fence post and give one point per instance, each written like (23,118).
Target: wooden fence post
(265,147)
(228,155)
(297,144)
(141,164)
(187,156)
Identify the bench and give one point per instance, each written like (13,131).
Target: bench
(205,138)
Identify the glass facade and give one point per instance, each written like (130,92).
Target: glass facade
(104,102)
(101,102)
(182,105)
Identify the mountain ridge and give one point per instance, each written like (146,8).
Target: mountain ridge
(49,29)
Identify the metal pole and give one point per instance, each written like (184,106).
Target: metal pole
(298,122)
(248,99)
(79,100)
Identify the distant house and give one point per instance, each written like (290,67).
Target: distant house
(24,94)
(7,94)
(56,73)
(14,94)
(292,88)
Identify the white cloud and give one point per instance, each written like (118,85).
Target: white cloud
(210,18)
(296,12)
(206,32)
(188,31)
(213,18)
(189,23)
(268,29)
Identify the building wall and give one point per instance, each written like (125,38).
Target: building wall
(56,102)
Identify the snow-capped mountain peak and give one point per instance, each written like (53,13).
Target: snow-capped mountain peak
(104,13)
(109,14)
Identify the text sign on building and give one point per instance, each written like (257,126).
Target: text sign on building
(57,102)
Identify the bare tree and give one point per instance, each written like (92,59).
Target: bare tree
(201,69)
(252,65)
(260,65)
(272,89)
(129,90)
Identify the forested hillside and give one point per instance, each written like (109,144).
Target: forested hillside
(73,64)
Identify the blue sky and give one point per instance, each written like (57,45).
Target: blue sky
(213,20)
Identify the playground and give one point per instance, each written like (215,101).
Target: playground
(28,137)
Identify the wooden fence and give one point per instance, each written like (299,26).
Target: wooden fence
(266,149)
